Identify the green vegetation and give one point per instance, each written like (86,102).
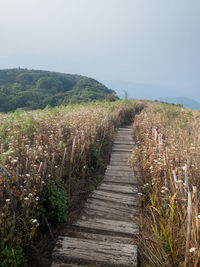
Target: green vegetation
(35,89)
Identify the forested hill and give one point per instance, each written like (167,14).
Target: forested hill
(33,89)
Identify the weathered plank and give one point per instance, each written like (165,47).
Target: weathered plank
(57,264)
(121,145)
(125,168)
(115,197)
(110,210)
(121,149)
(96,251)
(120,163)
(107,225)
(125,189)
(130,143)
(99,237)
(119,173)
(120,179)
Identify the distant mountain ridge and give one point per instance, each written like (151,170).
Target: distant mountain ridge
(33,89)
(186,102)
(151,92)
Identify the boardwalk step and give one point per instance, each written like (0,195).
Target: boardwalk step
(99,237)
(124,168)
(110,210)
(118,188)
(119,179)
(103,252)
(119,173)
(115,197)
(54,264)
(108,226)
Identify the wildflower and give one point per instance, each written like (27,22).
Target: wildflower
(162,191)
(192,250)
(26,198)
(7,200)
(27,175)
(198,216)
(42,182)
(37,198)
(30,194)
(34,220)
(179,181)
(140,194)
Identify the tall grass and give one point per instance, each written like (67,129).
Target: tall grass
(168,153)
(46,158)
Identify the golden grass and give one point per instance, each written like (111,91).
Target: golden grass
(168,154)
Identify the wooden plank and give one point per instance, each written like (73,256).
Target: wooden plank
(107,225)
(110,210)
(96,251)
(125,168)
(120,179)
(130,143)
(119,163)
(125,189)
(119,173)
(121,149)
(115,197)
(122,146)
(54,264)
(99,237)
(126,128)
(122,158)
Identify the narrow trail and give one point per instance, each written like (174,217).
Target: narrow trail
(104,233)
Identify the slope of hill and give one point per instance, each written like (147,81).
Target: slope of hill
(33,89)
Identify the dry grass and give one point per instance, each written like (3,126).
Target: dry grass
(168,153)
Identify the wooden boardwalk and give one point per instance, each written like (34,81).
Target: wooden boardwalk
(104,234)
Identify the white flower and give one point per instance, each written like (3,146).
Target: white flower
(26,198)
(179,181)
(7,200)
(34,220)
(37,198)
(27,175)
(162,191)
(198,216)
(30,194)
(192,250)
(42,182)
(140,194)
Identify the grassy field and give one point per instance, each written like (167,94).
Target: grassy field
(46,161)
(167,154)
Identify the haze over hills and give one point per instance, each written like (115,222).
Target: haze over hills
(151,92)
(33,89)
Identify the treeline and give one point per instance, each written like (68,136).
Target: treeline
(35,89)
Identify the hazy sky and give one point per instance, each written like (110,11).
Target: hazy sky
(145,41)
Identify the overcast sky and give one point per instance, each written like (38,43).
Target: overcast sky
(143,41)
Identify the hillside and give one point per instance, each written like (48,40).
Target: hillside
(33,89)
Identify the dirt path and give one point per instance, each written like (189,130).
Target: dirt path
(104,233)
